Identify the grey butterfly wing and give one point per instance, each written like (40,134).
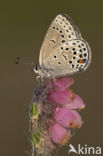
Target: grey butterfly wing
(60,30)
(57,53)
(70,57)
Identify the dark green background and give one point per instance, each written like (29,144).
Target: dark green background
(22,28)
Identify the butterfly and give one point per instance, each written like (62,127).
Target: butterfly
(63,51)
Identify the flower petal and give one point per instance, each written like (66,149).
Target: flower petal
(67,118)
(77,103)
(60,97)
(62,83)
(59,134)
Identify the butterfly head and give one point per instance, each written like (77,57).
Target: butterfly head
(40,71)
(36,68)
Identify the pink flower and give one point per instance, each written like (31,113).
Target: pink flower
(78,121)
(62,83)
(76,103)
(56,111)
(67,118)
(60,97)
(59,134)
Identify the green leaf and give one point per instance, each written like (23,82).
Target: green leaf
(34,111)
(35,139)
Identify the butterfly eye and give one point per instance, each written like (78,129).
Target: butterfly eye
(36,67)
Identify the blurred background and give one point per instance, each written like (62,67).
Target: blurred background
(23,25)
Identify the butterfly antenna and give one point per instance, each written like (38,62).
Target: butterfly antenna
(20,60)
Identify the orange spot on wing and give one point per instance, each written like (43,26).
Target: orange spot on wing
(80,61)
